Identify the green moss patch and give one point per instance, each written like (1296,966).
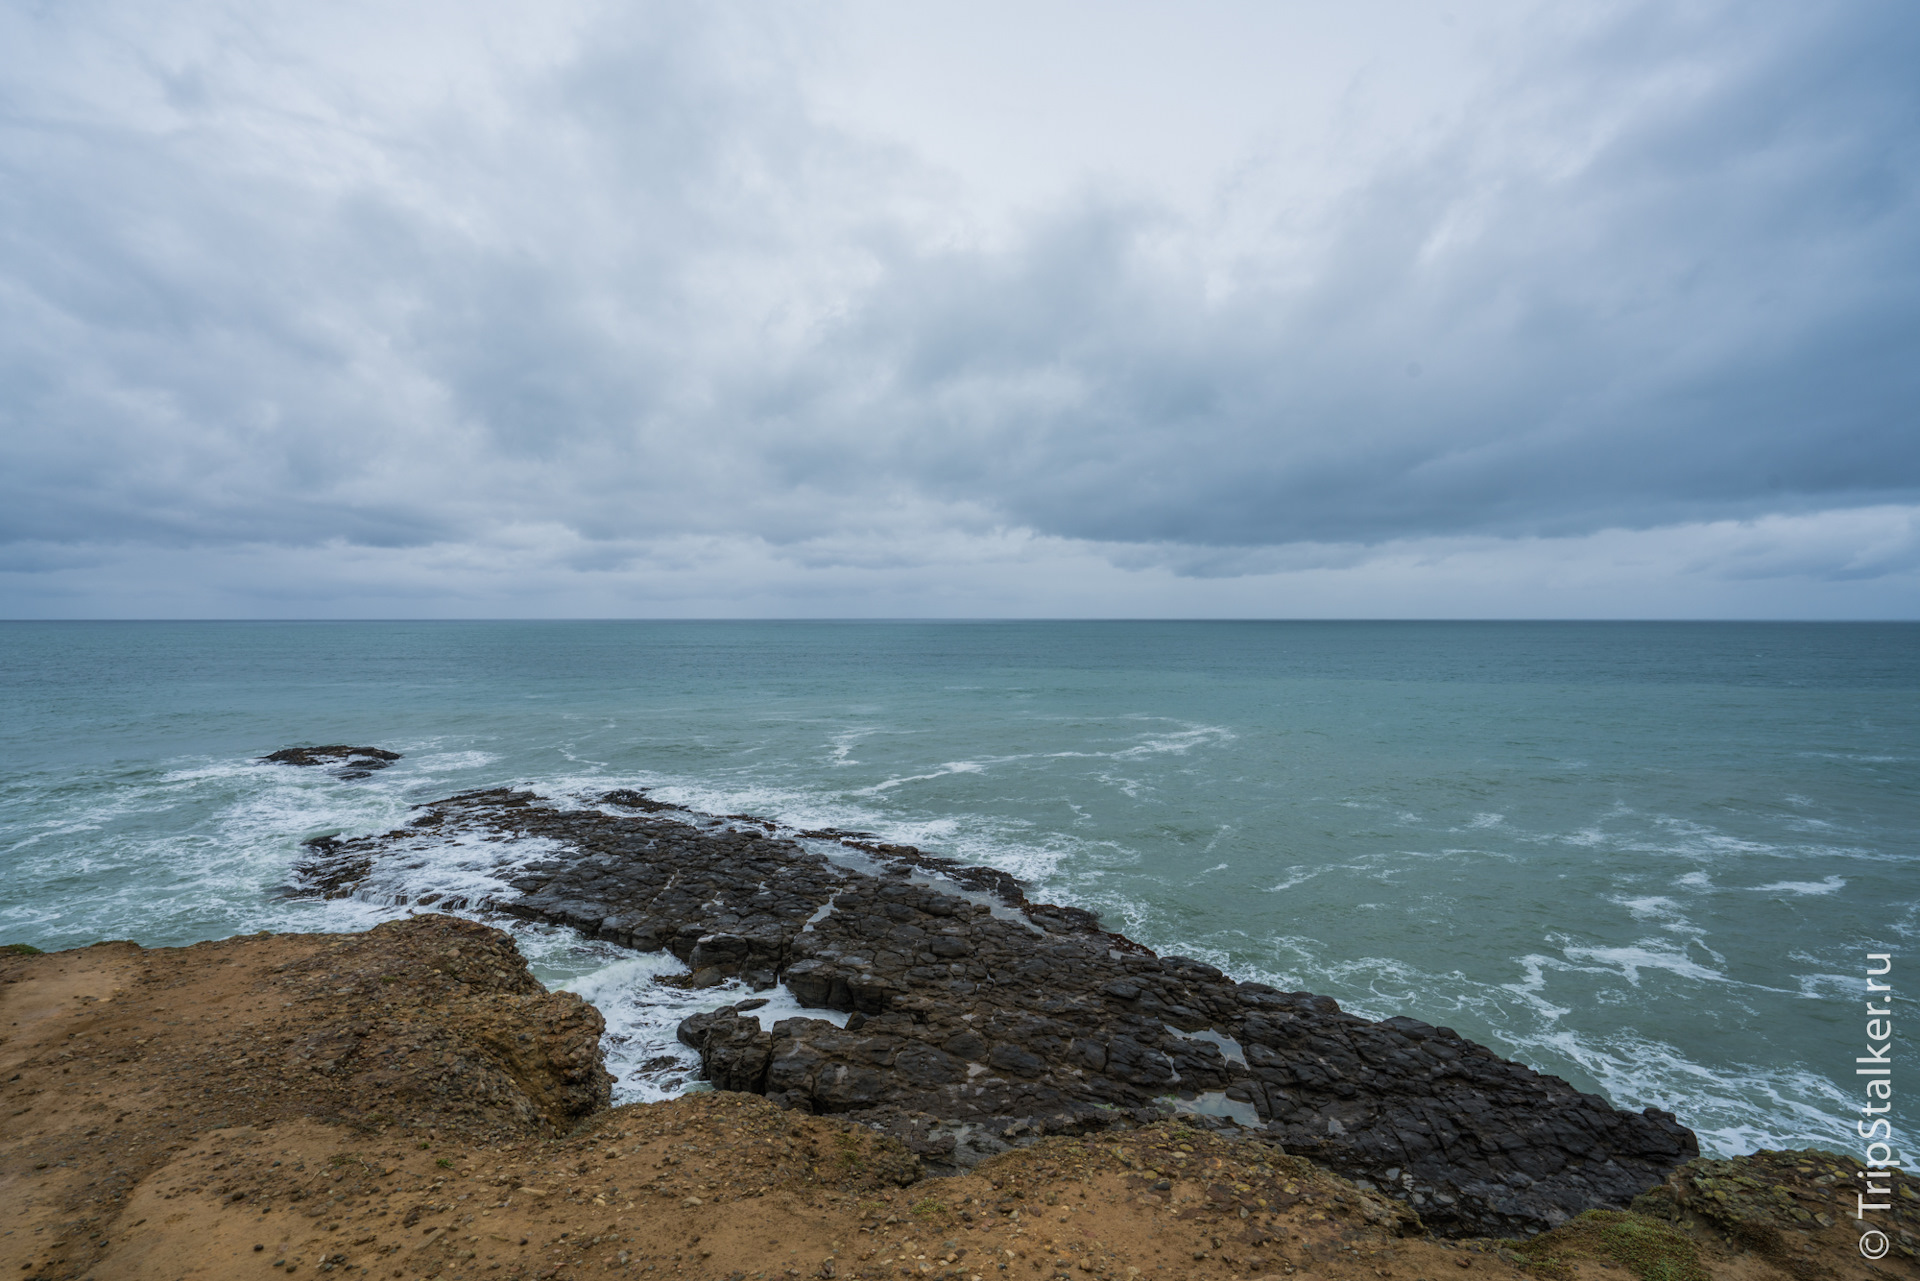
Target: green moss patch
(1646,1247)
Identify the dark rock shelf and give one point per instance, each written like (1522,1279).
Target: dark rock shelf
(979,1017)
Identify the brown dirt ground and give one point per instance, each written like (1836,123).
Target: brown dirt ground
(134,1143)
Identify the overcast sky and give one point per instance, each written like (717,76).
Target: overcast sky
(884,308)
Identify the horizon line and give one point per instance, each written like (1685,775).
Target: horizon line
(1008,618)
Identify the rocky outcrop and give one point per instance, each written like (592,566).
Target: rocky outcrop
(117,1058)
(350,762)
(977,1015)
(439,1017)
(434,1017)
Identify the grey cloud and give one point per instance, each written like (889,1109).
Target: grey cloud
(1711,315)
(487,321)
(1666,272)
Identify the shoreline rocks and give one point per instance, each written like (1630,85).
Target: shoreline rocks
(979,1019)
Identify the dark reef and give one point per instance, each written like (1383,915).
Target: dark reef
(979,1018)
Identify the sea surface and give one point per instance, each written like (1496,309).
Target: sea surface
(1648,858)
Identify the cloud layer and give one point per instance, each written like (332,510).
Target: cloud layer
(571,295)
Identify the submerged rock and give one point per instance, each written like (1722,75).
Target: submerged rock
(978,1017)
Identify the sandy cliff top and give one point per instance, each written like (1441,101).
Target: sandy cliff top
(410,1103)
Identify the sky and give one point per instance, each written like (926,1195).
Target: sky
(915,308)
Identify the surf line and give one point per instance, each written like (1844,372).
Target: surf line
(1877,1067)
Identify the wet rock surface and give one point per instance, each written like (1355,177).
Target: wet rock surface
(350,762)
(980,1019)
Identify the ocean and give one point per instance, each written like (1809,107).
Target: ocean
(1648,858)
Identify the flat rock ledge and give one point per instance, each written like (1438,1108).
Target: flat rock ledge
(980,1019)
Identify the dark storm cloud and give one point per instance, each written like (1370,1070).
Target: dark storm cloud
(1668,270)
(1712,311)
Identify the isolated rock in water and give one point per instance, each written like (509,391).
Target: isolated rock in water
(979,1018)
(355,762)
(635,798)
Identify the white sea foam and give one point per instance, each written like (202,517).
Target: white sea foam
(951,767)
(1732,1107)
(1532,986)
(1828,987)
(843,744)
(641,1044)
(1630,961)
(1179,742)
(1696,839)
(1658,908)
(1831,885)
(471,867)
(452,762)
(646,1058)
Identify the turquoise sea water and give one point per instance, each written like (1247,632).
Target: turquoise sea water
(1649,858)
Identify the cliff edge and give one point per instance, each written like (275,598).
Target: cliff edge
(409,1103)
